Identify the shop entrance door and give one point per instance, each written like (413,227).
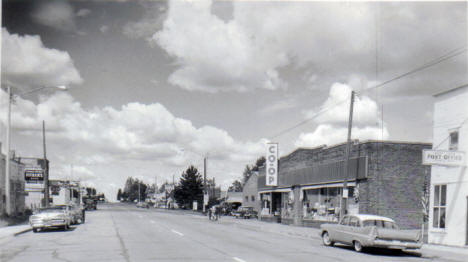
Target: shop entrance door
(466,229)
(276,206)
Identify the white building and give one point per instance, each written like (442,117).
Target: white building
(448,214)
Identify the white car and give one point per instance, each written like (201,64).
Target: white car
(50,217)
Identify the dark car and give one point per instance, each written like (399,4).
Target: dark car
(245,212)
(90,204)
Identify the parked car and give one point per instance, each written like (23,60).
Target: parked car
(50,217)
(362,231)
(245,212)
(77,213)
(90,204)
(142,204)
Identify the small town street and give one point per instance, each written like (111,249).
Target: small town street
(122,232)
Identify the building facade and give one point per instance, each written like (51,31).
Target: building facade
(448,217)
(250,192)
(384,178)
(17,185)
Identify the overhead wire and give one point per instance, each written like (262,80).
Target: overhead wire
(453,53)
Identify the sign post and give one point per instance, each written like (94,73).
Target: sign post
(272,164)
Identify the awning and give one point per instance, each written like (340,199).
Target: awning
(276,190)
(327,185)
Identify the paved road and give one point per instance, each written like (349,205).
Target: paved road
(121,232)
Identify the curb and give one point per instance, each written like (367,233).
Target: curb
(22,232)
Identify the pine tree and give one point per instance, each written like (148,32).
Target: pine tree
(190,188)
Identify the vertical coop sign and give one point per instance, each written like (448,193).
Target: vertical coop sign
(272,164)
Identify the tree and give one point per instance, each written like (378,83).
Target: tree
(236,186)
(119,194)
(259,163)
(246,174)
(189,189)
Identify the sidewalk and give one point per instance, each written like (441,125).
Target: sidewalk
(13,230)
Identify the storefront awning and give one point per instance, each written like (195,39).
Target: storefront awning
(327,185)
(276,190)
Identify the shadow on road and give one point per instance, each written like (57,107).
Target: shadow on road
(55,230)
(386,252)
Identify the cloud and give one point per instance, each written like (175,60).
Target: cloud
(280,105)
(107,144)
(332,123)
(83,12)
(26,62)
(225,56)
(104,29)
(55,14)
(151,22)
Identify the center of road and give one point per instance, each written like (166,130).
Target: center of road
(238,259)
(177,232)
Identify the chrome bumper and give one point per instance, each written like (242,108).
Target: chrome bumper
(396,244)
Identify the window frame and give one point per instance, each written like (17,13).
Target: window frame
(453,146)
(439,203)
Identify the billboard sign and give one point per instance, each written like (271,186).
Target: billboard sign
(443,158)
(34,176)
(272,164)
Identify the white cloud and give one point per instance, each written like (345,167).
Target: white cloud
(336,108)
(26,62)
(225,56)
(332,123)
(280,105)
(83,12)
(104,29)
(55,14)
(110,144)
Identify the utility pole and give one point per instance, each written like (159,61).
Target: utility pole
(344,197)
(204,183)
(7,157)
(139,193)
(46,168)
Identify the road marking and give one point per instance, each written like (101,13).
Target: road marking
(177,232)
(238,259)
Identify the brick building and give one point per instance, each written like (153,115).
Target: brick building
(384,178)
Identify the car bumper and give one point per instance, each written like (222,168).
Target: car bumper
(395,244)
(51,223)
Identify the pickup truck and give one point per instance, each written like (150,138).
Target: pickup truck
(362,231)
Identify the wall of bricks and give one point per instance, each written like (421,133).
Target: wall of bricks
(395,178)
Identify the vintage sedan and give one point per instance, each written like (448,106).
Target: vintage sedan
(50,217)
(76,212)
(362,231)
(245,212)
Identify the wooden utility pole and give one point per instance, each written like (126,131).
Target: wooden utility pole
(204,183)
(46,168)
(344,199)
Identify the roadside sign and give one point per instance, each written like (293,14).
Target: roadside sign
(205,199)
(195,205)
(443,158)
(34,176)
(272,164)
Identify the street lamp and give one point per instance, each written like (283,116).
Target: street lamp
(7,160)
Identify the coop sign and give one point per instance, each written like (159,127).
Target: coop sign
(272,164)
(444,158)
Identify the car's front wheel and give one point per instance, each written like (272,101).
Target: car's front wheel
(326,239)
(35,230)
(357,246)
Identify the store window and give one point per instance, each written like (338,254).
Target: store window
(252,198)
(246,198)
(323,203)
(453,140)
(440,204)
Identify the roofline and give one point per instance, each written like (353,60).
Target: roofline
(360,142)
(449,90)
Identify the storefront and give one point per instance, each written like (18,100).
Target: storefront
(384,178)
(448,212)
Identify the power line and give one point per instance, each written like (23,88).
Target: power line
(447,56)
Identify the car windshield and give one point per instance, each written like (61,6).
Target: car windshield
(50,210)
(379,224)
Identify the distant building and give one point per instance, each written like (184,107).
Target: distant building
(250,192)
(448,216)
(384,178)
(64,192)
(17,184)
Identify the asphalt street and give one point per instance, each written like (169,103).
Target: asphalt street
(121,232)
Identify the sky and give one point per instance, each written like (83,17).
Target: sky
(154,86)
